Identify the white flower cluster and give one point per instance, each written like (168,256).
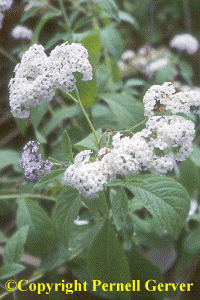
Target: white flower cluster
(37,75)
(164,96)
(21,32)
(31,84)
(154,149)
(66,59)
(185,42)
(4,5)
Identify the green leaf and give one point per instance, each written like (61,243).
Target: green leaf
(93,44)
(143,269)
(10,157)
(134,82)
(195,156)
(22,124)
(82,22)
(15,246)
(186,71)
(48,178)
(10,270)
(89,142)
(112,41)
(119,208)
(128,111)
(109,7)
(166,199)
(41,230)
(97,204)
(3,238)
(55,39)
(65,212)
(189,176)
(191,243)
(59,116)
(41,23)
(38,112)
(126,17)
(87,89)
(30,13)
(106,260)
(66,146)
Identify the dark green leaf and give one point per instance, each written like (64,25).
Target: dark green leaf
(109,7)
(10,157)
(65,212)
(15,246)
(22,124)
(10,270)
(106,260)
(66,146)
(119,208)
(30,13)
(195,156)
(189,176)
(165,199)
(97,204)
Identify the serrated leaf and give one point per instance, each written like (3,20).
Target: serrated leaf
(126,17)
(119,208)
(66,146)
(128,111)
(106,260)
(15,246)
(10,270)
(65,212)
(166,199)
(48,178)
(89,142)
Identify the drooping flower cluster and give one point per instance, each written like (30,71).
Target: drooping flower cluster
(4,5)
(31,84)
(66,59)
(37,75)
(185,42)
(21,32)
(32,162)
(164,96)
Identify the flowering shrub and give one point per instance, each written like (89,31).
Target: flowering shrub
(115,201)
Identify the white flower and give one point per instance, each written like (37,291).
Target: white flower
(185,42)
(5,4)
(21,32)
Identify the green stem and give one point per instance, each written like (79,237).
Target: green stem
(132,128)
(27,196)
(86,116)
(8,55)
(83,110)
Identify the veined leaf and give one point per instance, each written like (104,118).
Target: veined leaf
(65,212)
(112,41)
(119,208)
(10,270)
(106,260)
(15,246)
(166,199)
(97,204)
(109,7)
